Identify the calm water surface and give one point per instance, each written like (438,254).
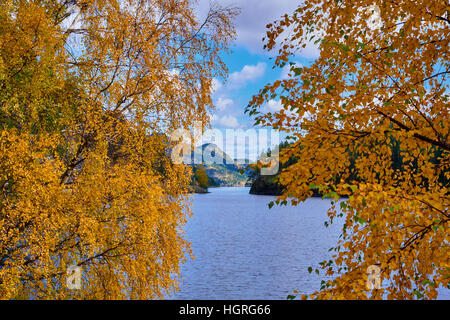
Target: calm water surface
(244,250)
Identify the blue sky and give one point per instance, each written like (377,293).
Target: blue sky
(250,68)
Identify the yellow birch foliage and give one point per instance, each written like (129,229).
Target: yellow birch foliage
(380,82)
(202,177)
(89,92)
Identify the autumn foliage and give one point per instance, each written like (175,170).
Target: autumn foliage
(89,91)
(201,176)
(381,81)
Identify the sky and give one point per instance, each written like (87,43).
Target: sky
(250,69)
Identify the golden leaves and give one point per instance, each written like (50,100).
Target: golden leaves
(371,123)
(86,177)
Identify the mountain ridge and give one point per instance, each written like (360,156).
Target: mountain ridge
(220,166)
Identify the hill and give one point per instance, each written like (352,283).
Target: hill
(221,169)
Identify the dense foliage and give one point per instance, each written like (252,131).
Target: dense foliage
(88,91)
(378,90)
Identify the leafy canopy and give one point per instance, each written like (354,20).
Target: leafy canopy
(89,91)
(380,84)
(201,176)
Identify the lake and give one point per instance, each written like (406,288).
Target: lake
(244,250)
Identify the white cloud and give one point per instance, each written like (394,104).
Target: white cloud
(272,106)
(216,85)
(374,22)
(238,79)
(275,106)
(228,121)
(287,70)
(252,21)
(213,117)
(242,143)
(223,103)
(255,15)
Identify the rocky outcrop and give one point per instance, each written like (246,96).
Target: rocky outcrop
(197,189)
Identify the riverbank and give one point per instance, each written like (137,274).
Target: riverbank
(197,189)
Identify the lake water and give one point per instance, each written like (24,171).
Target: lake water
(244,250)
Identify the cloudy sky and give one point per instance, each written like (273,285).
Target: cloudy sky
(250,67)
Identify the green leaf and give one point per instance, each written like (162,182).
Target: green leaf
(430,283)
(359,219)
(418,294)
(297,71)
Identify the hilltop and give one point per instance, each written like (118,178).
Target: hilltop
(221,169)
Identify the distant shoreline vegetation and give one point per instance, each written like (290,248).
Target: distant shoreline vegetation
(224,172)
(269,185)
(228,173)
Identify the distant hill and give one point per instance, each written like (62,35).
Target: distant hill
(220,167)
